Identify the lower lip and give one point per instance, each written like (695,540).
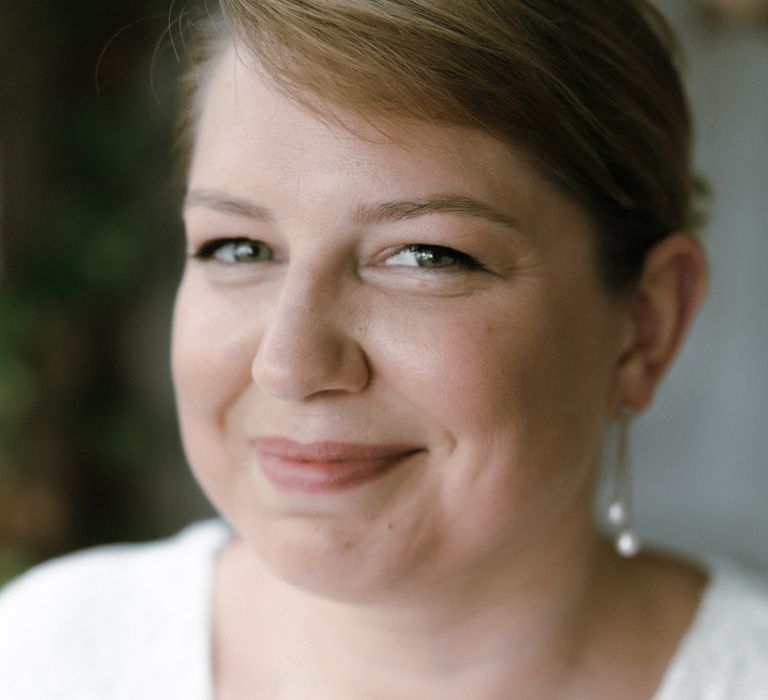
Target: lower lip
(288,474)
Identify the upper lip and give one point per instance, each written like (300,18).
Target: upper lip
(329,450)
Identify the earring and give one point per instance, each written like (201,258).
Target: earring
(620,505)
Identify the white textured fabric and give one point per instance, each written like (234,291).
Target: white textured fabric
(125,622)
(132,622)
(724,654)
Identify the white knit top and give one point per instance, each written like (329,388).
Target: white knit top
(133,622)
(724,654)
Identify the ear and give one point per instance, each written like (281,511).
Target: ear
(671,287)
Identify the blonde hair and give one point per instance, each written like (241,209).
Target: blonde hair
(587,88)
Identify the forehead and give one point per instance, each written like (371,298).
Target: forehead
(253,138)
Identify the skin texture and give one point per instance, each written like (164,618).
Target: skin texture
(501,378)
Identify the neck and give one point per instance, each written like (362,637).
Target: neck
(522,622)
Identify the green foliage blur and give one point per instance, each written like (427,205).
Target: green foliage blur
(90,250)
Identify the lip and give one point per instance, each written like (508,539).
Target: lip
(326,467)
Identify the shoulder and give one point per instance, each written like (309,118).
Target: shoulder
(724,654)
(91,612)
(85,581)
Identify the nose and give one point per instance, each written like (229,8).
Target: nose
(311,342)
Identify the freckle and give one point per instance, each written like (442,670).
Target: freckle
(348,544)
(390,526)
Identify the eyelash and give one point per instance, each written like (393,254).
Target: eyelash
(209,249)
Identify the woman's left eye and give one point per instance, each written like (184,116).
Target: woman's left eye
(432,257)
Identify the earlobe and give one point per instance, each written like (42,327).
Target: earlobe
(670,290)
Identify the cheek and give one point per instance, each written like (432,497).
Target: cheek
(211,363)
(517,361)
(517,385)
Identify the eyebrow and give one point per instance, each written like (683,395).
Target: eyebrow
(435,204)
(226,203)
(397,210)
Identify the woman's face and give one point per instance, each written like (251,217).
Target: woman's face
(393,357)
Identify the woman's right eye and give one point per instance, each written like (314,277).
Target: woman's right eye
(231,251)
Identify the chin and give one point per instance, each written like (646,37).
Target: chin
(332,561)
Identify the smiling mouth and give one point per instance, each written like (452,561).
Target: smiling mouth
(326,467)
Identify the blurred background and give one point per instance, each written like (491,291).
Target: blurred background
(91,249)
(701,452)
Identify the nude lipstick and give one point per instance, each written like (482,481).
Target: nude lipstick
(326,467)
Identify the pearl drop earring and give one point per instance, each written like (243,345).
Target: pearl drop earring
(620,505)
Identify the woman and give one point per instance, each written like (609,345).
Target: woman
(434,249)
